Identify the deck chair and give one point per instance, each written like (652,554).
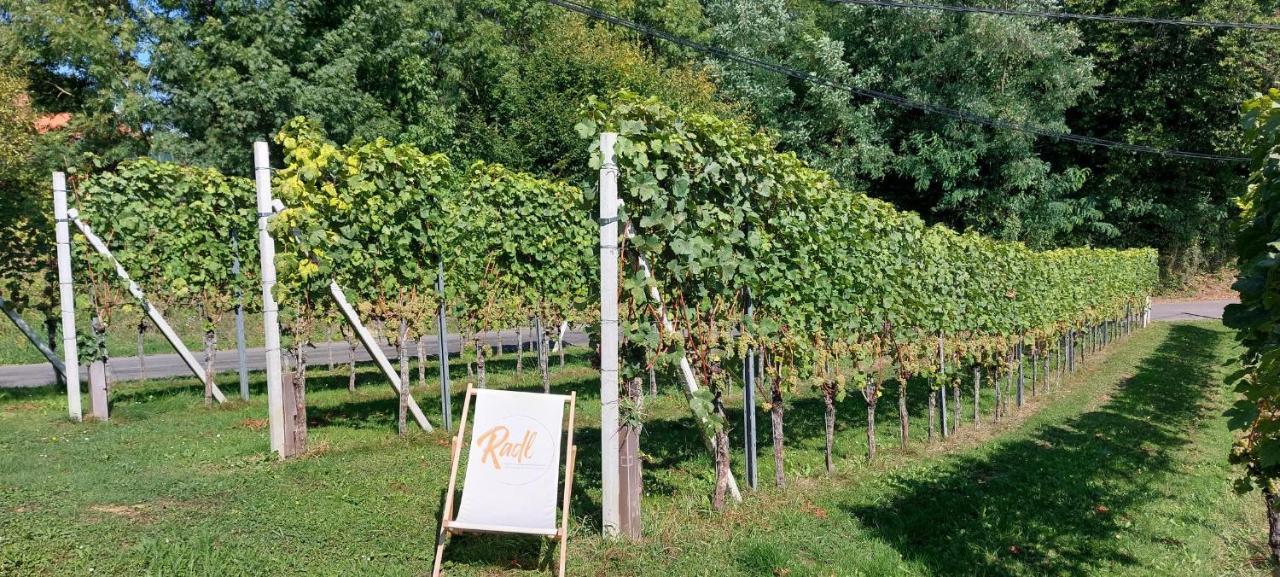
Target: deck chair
(513,468)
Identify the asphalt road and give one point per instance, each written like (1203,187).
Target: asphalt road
(1188,311)
(171,365)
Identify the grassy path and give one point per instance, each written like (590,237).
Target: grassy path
(1119,472)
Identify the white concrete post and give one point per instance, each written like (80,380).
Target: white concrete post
(270,311)
(66,294)
(610,485)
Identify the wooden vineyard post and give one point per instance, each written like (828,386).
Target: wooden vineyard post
(609,483)
(270,311)
(630,478)
(66,295)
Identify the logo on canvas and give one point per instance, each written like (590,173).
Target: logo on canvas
(497,446)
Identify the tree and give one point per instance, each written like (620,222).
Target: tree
(1169,87)
(494,80)
(965,175)
(27,267)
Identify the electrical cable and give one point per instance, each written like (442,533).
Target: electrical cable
(1064,15)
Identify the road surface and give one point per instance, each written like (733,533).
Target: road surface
(171,365)
(1188,311)
(128,368)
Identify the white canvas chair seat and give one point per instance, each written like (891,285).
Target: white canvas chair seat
(462,527)
(513,468)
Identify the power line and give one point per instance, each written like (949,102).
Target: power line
(900,101)
(1065,15)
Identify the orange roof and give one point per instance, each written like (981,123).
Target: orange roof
(51,122)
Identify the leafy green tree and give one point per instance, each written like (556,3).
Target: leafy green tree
(83,58)
(1169,87)
(26,230)
(497,80)
(967,176)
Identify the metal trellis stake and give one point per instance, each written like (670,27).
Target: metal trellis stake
(446,414)
(749,402)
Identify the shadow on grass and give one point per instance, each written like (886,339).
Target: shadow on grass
(1052,504)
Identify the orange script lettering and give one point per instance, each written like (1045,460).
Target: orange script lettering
(494,444)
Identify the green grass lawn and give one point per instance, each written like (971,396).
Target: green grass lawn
(1121,471)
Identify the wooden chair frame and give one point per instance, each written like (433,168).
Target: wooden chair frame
(447,517)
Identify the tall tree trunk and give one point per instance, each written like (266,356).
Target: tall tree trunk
(210,351)
(142,348)
(903,424)
(480,374)
(977,397)
(519,354)
(775,418)
(544,360)
(653,378)
(300,398)
(401,415)
(829,419)
(721,456)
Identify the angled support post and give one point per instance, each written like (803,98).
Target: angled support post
(686,371)
(31,335)
(183,352)
(371,345)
